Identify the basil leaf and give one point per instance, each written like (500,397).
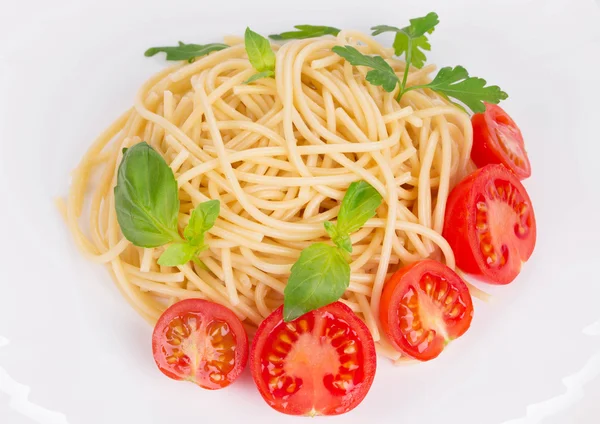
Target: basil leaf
(340,239)
(358,205)
(260,54)
(146,198)
(260,75)
(202,219)
(319,277)
(178,254)
(185,51)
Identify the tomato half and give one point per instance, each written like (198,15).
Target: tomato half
(423,307)
(490,224)
(202,342)
(497,139)
(322,363)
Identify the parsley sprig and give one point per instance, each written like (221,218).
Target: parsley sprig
(381,73)
(472,91)
(412,42)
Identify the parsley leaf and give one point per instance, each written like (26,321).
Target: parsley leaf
(416,46)
(306,31)
(449,82)
(260,55)
(457,84)
(411,40)
(382,73)
(319,277)
(184,51)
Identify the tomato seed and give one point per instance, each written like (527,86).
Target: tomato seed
(216,377)
(274,358)
(350,349)
(454,312)
(303,325)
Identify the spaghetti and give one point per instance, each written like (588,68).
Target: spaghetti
(279,155)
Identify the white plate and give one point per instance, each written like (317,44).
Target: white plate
(70,343)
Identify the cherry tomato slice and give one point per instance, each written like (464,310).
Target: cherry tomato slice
(322,363)
(497,139)
(490,224)
(200,341)
(423,307)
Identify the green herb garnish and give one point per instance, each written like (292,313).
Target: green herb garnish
(146,198)
(319,277)
(472,91)
(360,204)
(322,273)
(412,42)
(203,218)
(306,31)
(184,51)
(260,55)
(147,206)
(382,73)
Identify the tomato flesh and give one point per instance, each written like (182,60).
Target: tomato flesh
(322,363)
(498,140)
(423,307)
(202,342)
(490,224)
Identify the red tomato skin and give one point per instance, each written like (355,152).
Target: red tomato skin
(352,399)
(458,216)
(486,143)
(217,311)
(459,225)
(390,299)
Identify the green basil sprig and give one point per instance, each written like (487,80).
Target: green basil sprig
(322,273)
(147,206)
(260,55)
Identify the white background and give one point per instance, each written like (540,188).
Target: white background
(81,355)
